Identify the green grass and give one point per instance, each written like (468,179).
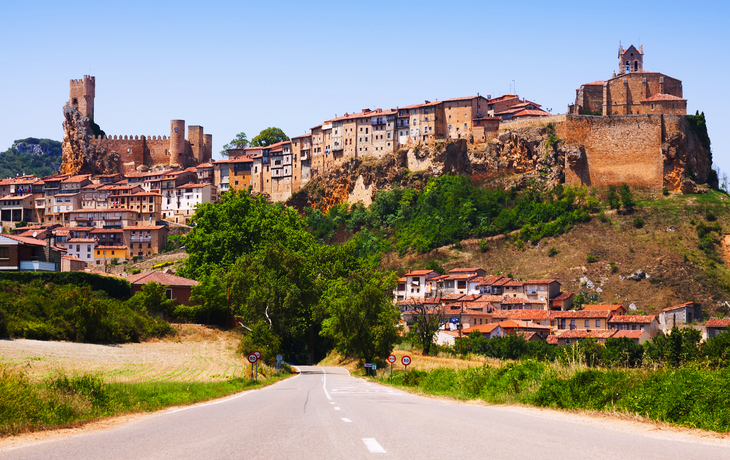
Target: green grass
(691,396)
(63,400)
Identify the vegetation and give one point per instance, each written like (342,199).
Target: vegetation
(268,137)
(238,142)
(61,399)
(699,125)
(20,159)
(46,311)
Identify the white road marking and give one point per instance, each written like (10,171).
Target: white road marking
(373,446)
(332,402)
(324,385)
(337,408)
(347,420)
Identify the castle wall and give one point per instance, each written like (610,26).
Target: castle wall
(158,148)
(131,149)
(530,122)
(590,98)
(617,149)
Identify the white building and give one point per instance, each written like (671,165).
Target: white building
(178,204)
(83,248)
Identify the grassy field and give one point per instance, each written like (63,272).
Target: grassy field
(46,385)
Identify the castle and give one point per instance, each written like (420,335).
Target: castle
(125,154)
(633,91)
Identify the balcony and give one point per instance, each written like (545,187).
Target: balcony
(37,266)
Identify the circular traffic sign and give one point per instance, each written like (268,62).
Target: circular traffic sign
(391,359)
(279,357)
(258,354)
(252,358)
(406,360)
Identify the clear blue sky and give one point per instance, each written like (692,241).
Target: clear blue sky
(234,66)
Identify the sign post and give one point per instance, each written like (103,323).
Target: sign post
(278,364)
(258,356)
(391,360)
(406,360)
(252,358)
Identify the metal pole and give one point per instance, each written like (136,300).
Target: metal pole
(391,373)
(252,371)
(257,371)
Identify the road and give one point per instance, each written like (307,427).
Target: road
(323,413)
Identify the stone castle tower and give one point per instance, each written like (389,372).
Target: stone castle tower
(83,152)
(82,95)
(630,60)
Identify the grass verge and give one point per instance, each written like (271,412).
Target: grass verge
(691,397)
(63,401)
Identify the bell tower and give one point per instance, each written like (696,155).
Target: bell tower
(630,60)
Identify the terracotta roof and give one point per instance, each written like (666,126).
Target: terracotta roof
(26,240)
(676,307)
(552,339)
(513,323)
(419,272)
(483,328)
(531,113)
(524,314)
(147,227)
(492,298)
(81,240)
(452,297)
(71,258)
(594,83)
(633,319)
(235,160)
(663,97)
(562,296)
(112,247)
(513,283)
(464,270)
(470,297)
(582,314)
(521,300)
(582,334)
(460,276)
(541,281)
(718,322)
(162,278)
(79,178)
(465,98)
(303,135)
(437,278)
(612,307)
(106,230)
(528,335)
(628,334)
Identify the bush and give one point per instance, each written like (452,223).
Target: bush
(113,287)
(484,245)
(136,271)
(613,267)
(612,197)
(710,216)
(552,252)
(665,191)
(590,258)
(263,340)
(3,324)
(602,217)
(638,222)
(435,266)
(627,198)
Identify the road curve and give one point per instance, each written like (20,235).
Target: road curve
(323,413)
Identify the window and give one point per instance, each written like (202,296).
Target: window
(5,253)
(588,323)
(598,323)
(168,293)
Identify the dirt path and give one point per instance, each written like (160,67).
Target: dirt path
(195,354)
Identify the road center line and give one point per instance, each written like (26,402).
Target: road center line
(373,446)
(347,420)
(337,408)
(324,384)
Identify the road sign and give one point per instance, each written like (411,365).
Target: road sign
(406,360)
(368,365)
(279,358)
(375,366)
(391,359)
(258,354)
(252,358)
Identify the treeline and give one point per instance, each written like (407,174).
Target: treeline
(257,262)
(678,348)
(451,208)
(47,311)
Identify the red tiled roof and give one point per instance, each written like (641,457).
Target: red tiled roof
(676,307)
(162,278)
(452,297)
(419,272)
(582,334)
(524,314)
(633,319)
(513,323)
(146,227)
(492,298)
(582,314)
(531,113)
(106,230)
(512,283)
(612,307)
(562,296)
(663,97)
(552,339)
(81,240)
(464,270)
(595,83)
(521,300)
(25,240)
(628,334)
(112,247)
(541,281)
(79,178)
(71,258)
(718,322)
(303,135)
(483,328)
(470,297)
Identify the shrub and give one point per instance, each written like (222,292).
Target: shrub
(552,252)
(484,245)
(3,324)
(612,197)
(136,271)
(435,266)
(627,198)
(665,191)
(614,267)
(602,217)
(115,261)
(638,222)
(710,216)
(263,340)
(590,258)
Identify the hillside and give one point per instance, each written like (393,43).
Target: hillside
(40,157)
(666,247)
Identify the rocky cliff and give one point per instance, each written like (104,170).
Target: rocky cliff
(80,156)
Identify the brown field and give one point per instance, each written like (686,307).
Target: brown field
(194,354)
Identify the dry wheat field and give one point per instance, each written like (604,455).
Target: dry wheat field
(194,354)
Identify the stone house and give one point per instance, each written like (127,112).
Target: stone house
(716,326)
(581,320)
(416,282)
(145,240)
(81,248)
(680,314)
(179,204)
(280,155)
(541,290)
(573,336)
(302,160)
(635,323)
(29,254)
(562,302)
(72,264)
(459,113)
(616,309)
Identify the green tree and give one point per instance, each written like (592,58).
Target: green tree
(614,202)
(262,339)
(238,142)
(627,198)
(268,137)
(622,352)
(210,298)
(152,299)
(426,323)
(716,349)
(362,319)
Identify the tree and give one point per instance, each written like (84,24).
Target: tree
(262,339)
(362,319)
(612,197)
(716,349)
(269,136)
(627,198)
(622,352)
(210,296)
(427,318)
(238,142)
(152,299)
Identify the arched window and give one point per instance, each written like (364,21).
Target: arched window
(628,66)
(636,66)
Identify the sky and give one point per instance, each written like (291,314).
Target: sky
(233,66)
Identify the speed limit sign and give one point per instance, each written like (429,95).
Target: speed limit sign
(391,359)
(258,354)
(406,360)
(252,358)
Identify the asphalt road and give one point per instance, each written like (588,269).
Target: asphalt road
(325,414)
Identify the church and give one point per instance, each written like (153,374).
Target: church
(634,91)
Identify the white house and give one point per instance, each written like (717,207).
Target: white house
(83,248)
(178,204)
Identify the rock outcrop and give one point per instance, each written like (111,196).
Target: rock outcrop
(80,156)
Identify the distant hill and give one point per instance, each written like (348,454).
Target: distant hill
(41,157)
